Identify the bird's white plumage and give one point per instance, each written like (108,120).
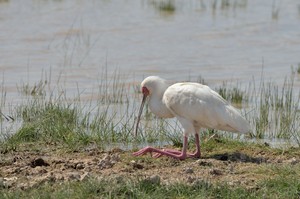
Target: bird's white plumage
(203,107)
(195,105)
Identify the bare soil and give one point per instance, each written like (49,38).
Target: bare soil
(24,169)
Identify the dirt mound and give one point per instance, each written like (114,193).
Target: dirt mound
(22,170)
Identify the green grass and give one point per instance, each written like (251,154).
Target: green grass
(166,6)
(276,114)
(278,187)
(271,110)
(233,94)
(49,123)
(49,116)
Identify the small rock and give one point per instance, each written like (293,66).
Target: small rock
(108,161)
(74,176)
(79,166)
(136,165)
(204,163)
(293,161)
(104,164)
(154,179)
(9,182)
(58,161)
(215,172)
(38,162)
(188,170)
(266,144)
(237,182)
(222,157)
(42,171)
(230,183)
(115,158)
(190,179)
(22,185)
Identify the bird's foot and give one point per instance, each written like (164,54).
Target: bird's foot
(174,153)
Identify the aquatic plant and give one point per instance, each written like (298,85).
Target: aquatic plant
(49,115)
(164,6)
(232,93)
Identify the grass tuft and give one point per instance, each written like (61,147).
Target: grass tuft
(278,187)
(49,116)
(233,94)
(165,6)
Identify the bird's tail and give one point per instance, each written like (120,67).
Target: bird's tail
(237,122)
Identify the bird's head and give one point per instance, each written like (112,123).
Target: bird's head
(150,85)
(153,85)
(145,91)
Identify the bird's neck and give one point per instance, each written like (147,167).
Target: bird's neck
(159,108)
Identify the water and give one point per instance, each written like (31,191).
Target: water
(78,38)
(75,42)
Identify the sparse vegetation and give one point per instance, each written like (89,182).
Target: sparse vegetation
(228,169)
(280,187)
(233,94)
(47,115)
(276,113)
(165,6)
(48,118)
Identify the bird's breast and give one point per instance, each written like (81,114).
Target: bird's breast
(158,107)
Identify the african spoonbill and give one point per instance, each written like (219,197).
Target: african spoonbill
(195,105)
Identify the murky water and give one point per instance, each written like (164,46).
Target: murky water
(81,44)
(75,42)
(216,40)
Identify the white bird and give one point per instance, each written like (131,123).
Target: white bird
(195,105)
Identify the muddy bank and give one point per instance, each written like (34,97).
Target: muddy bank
(25,169)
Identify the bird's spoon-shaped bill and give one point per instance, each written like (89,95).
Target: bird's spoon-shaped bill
(140,113)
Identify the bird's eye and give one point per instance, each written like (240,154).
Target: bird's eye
(145,90)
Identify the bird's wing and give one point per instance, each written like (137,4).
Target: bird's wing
(204,107)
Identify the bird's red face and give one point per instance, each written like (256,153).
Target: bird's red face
(145,92)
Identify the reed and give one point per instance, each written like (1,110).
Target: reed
(48,115)
(276,113)
(233,93)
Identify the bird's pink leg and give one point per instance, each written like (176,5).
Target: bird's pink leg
(178,155)
(197,154)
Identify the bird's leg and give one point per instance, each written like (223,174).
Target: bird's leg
(172,153)
(197,154)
